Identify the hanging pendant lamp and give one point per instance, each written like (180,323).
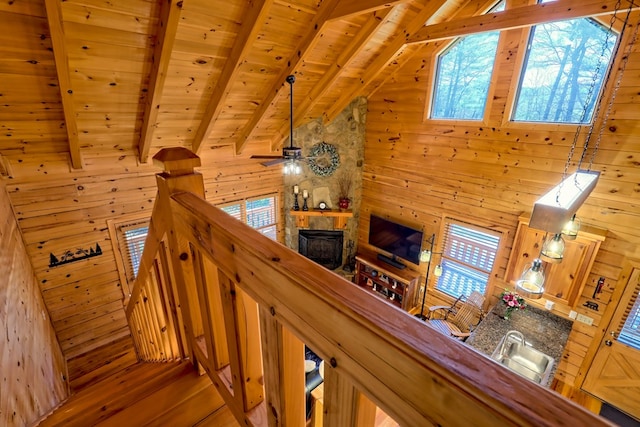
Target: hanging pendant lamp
(553,249)
(531,283)
(571,228)
(558,206)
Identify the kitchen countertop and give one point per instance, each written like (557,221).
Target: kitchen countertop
(543,330)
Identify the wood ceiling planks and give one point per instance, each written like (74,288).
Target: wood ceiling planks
(254,19)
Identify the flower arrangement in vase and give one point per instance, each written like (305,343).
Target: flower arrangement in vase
(344,181)
(512,301)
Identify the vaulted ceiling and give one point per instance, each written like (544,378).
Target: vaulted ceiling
(88,78)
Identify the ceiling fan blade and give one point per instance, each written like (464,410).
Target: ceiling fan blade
(274,162)
(258,156)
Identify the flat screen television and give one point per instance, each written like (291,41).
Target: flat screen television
(397,240)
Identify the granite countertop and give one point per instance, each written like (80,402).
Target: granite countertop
(543,330)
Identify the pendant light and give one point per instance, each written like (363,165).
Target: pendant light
(558,206)
(571,228)
(553,249)
(555,212)
(531,283)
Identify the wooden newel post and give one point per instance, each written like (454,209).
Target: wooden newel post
(179,176)
(177,161)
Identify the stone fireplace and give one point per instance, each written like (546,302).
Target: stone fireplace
(322,246)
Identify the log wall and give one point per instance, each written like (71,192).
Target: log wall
(493,170)
(32,367)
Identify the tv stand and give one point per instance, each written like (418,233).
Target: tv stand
(392,261)
(397,287)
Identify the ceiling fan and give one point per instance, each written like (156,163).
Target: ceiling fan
(289,154)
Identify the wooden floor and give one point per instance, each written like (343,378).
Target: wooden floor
(163,394)
(146,394)
(576,395)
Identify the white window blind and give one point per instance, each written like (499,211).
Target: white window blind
(469,253)
(258,212)
(630,333)
(131,240)
(235,210)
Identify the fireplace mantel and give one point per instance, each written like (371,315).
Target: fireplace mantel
(339,217)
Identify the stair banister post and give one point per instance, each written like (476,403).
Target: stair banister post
(179,176)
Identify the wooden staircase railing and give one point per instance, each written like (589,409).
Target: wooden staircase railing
(241,306)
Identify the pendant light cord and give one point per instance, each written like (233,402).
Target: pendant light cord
(587,101)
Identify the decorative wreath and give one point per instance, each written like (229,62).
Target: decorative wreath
(324,159)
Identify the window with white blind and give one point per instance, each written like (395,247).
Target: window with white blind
(128,236)
(258,212)
(468,257)
(134,237)
(630,333)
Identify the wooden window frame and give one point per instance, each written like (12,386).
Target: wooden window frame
(500,232)
(242,203)
(120,251)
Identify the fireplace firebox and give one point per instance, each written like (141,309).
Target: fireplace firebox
(322,246)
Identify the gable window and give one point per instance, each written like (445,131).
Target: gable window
(259,213)
(468,258)
(562,60)
(127,237)
(463,75)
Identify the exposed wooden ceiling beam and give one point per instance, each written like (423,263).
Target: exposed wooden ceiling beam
(167,28)
(358,7)
(54,18)
(359,42)
(253,19)
(307,43)
(524,16)
(386,56)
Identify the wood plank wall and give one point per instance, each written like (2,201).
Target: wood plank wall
(61,212)
(418,170)
(66,211)
(32,367)
(58,209)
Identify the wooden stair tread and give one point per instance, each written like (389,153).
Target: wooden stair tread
(221,418)
(108,397)
(192,396)
(194,410)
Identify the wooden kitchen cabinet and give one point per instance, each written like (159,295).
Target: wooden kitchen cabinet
(564,281)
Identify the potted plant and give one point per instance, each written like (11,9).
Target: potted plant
(345,181)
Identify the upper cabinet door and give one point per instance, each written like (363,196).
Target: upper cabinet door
(564,281)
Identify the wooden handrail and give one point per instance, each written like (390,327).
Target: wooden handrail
(231,274)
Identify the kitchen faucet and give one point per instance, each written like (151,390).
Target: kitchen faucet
(514,333)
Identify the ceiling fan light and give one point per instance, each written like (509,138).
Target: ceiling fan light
(292,168)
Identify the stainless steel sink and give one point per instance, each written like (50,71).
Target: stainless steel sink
(513,353)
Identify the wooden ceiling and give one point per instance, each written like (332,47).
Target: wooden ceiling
(87,78)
